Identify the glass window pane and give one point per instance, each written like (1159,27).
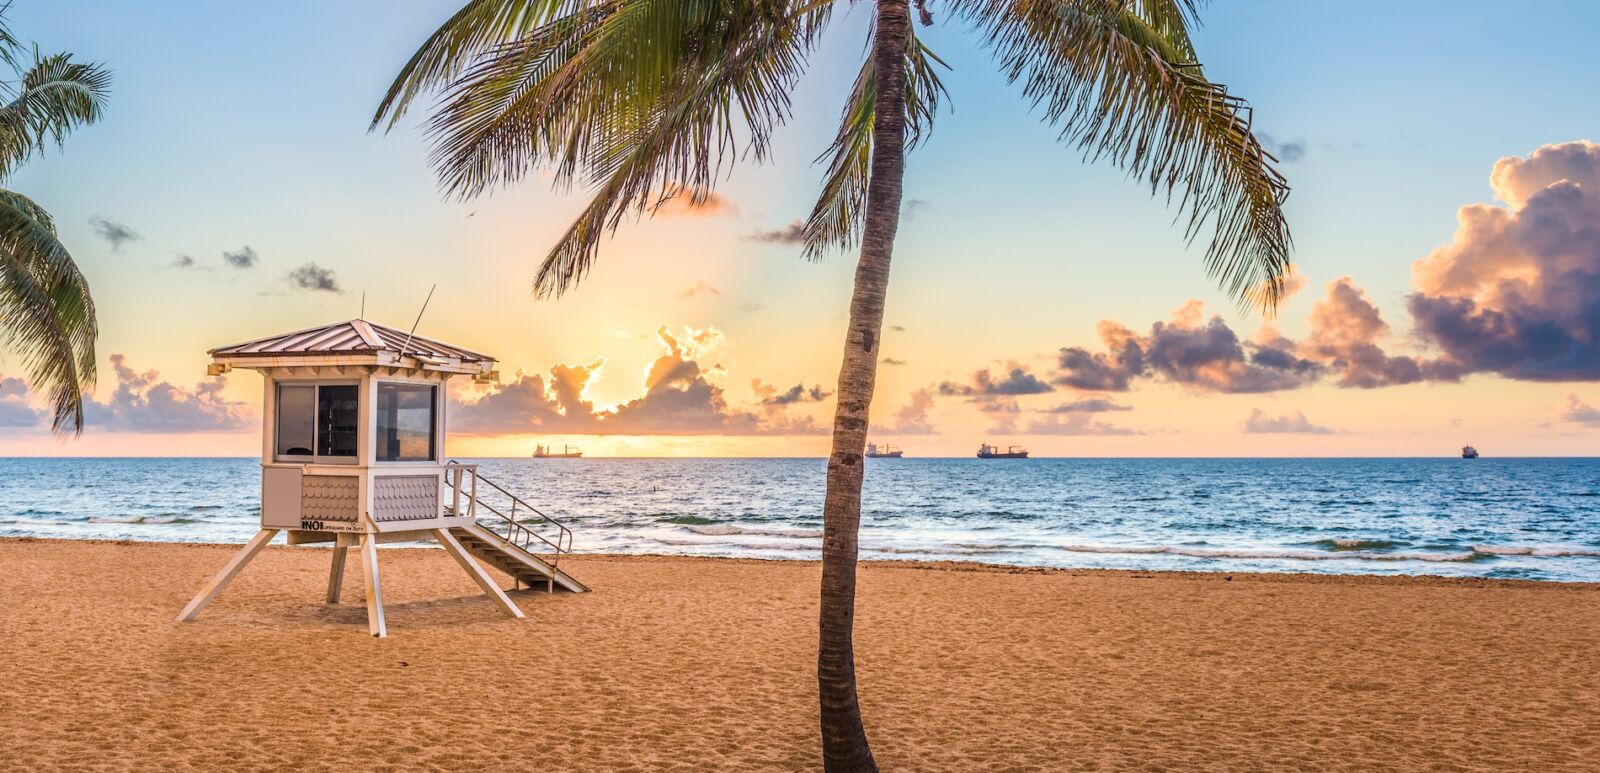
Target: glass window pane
(337,408)
(405,422)
(296,417)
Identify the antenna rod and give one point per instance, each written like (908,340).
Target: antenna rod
(419,319)
(363,314)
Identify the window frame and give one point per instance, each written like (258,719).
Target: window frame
(316,384)
(436,425)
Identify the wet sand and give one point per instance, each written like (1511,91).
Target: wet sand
(707,664)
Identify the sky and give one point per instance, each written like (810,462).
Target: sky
(1445,211)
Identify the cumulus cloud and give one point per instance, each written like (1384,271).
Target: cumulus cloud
(677,400)
(15,410)
(798,393)
(680,201)
(700,288)
(793,233)
(1260,423)
(1346,332)
(1187,350)
(116,234)
(1287,151)
(1087,405)
(1067,423)
(315,278)
(1014,382)
(912,418)
(1576,411)
(242,258)
(143,402)
(1517,291)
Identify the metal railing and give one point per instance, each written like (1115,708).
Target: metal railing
(516,531)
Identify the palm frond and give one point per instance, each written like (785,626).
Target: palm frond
(836,219)
(48,311)
(637,99)
(1118,77)
(54,96)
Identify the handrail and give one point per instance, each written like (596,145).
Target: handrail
(517,532)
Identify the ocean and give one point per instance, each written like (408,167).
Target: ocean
(1502,518)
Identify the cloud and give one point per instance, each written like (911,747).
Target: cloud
(1260,423)
(15,410)
(1016,381)
(677,400)
(144,403)
(185,262)
(1287,151)
(242,258)
(1517,290)
(897,328)
(116,234)
(1576,412)
(1204,356)
(1346,329)
(751,307)
(1087,405)
(914,207)
(793,233)
(912,418)
(1067,424)
(798,393)
(700,288)
(680,201)
(315,278)
(891,361)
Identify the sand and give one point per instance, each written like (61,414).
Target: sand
(706,664)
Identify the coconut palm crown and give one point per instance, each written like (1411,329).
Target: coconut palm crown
(641,101)
(46,313)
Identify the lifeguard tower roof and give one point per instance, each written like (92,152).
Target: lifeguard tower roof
(355,342)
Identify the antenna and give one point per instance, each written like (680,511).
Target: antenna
(418,320)
(363,314)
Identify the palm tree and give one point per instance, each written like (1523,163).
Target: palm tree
(46,313)
(644,100)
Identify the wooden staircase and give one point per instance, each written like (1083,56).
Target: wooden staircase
(524,566)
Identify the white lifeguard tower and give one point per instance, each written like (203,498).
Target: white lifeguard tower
(353,430)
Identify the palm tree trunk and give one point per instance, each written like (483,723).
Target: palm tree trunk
(844,739)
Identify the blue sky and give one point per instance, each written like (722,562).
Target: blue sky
(237,124)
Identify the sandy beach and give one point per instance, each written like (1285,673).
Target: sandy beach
(706,664)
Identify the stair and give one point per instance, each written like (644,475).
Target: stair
(521,565)
(513,551)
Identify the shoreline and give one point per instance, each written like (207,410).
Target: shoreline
(1218,575)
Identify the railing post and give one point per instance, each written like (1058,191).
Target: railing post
(454,476)
(474,503)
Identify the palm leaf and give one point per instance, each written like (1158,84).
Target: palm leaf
(1118,77)
(54,96)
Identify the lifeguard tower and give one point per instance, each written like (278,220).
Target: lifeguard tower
(353,430)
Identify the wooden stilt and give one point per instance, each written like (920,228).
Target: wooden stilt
(476,572)
(229,571)
(369,568)
(336,574)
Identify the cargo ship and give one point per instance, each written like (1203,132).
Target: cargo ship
(567,452)
(987,451)
(1468,452)
(875,451)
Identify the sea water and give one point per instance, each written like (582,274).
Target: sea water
(1512,518)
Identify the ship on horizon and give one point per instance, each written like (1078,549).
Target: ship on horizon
(875,451)
(987,451)
(1468,452)
(567,452)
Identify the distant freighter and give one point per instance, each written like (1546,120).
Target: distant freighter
(1468,452)
(987,451)
(567,452)
(875,451)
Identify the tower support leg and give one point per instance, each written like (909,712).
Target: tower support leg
(229,571)
(369,569)
(336,573)
(482,578)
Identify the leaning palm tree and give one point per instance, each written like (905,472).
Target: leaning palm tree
(644,100)
(46,313)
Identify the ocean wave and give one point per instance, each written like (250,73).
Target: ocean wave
(1271,553)
(689,520)
(1358,543)
(1537,551)
(728,530)
(139,519)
